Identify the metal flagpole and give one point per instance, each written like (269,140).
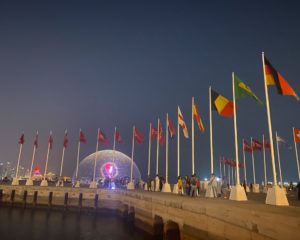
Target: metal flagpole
(224,166)
(220,167)
(44,181)
(178,144)
(114,147)
(77,162)
(232,181)
(229,175)
(132,154)
(96,153)
(193,141)
(244,158)
(149,150)
(296,152)
(157,146)
(211,136)
(278,158)
(167,149)
(33,157)
(264,155)
(253,167)
(19,157)
(62,159)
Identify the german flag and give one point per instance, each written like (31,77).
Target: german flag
(221,104)
(274,78)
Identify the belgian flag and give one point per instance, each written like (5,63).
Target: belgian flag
(221,104)
(274,78)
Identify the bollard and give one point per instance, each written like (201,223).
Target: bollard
(35,195)
(172,231)
(80,201)
(25,198)
(96,202)
(66,200)
(50,199)
(158,227)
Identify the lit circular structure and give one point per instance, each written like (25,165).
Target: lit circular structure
(109,164)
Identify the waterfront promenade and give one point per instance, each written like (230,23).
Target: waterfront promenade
(158,213)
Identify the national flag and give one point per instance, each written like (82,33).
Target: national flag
(267,144)
(242,90)
(22,139)
(256,145)
(246,146)
(197,117)
(66,140)
(161,136)
(221,104)
(182,124)
(50,141)
(241,165)
(35,143)
(82,138)
(102,138)
(153,133)
(297,134)
(280,139)
(118,137)
(138,136)
(274,78)
(171,127)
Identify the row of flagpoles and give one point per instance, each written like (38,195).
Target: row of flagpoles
(225,108)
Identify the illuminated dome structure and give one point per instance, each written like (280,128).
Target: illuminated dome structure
(109,163)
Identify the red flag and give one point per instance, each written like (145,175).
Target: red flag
(118,137)
(50,141)
(297,134)
(36,140)
(102,138)
(138,136)
(247,147)
(161,136)
(241,165)
(153,133)
(22,139)
(171,127)
(82,138)
(256,145)
(267,144)
(66,140)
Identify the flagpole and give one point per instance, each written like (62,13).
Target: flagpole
(244,158)
(19,157)
(178,144)
(224,170)
(220,167)
(44,181)
(278,158)
(211,136)
(96,153)
(232,182)
(77,162)
(33,157)
(296,152)
(167,149)
(264,155)
(229,175)
(62,158)
(149,150)
(157,146)
(253,167)
(132,154)
(193,141)
(114,146)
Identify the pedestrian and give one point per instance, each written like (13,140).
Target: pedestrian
(198,186)
(224,187)
(187,185)
(157,183)
(211,190)
(179,184)
(193,185)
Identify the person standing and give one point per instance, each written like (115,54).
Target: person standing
(193,183)
(157,183)
(211,190)
(179,184)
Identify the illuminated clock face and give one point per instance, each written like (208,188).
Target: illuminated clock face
(109,169)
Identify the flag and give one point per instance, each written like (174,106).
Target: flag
(197,118)
(171,127)
(297,134)
(22,139)
(274,78)
(50,141)
(280,139)
(247,147)
(267,144)
(161,136)
(221,104)
(35,143)
(82,138)
(153,133)
(242,90)
(66,140)
(102,138)
(118,137)
(241,165)
(256,145)
(182,124)
(138,136)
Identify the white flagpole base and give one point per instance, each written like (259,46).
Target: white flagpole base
(15,182)
(93,184)
(44,183)
(238,193)
(166,188)
(130,186)
(276,196)
(255,188)
(77,184)
(29,182)
(146,187)
(175,188)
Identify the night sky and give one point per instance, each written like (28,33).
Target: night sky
(90,64)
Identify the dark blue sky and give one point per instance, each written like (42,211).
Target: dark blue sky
(90,64)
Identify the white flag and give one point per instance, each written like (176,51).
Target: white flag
(182,124)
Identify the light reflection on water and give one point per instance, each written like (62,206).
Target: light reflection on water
(17,223)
